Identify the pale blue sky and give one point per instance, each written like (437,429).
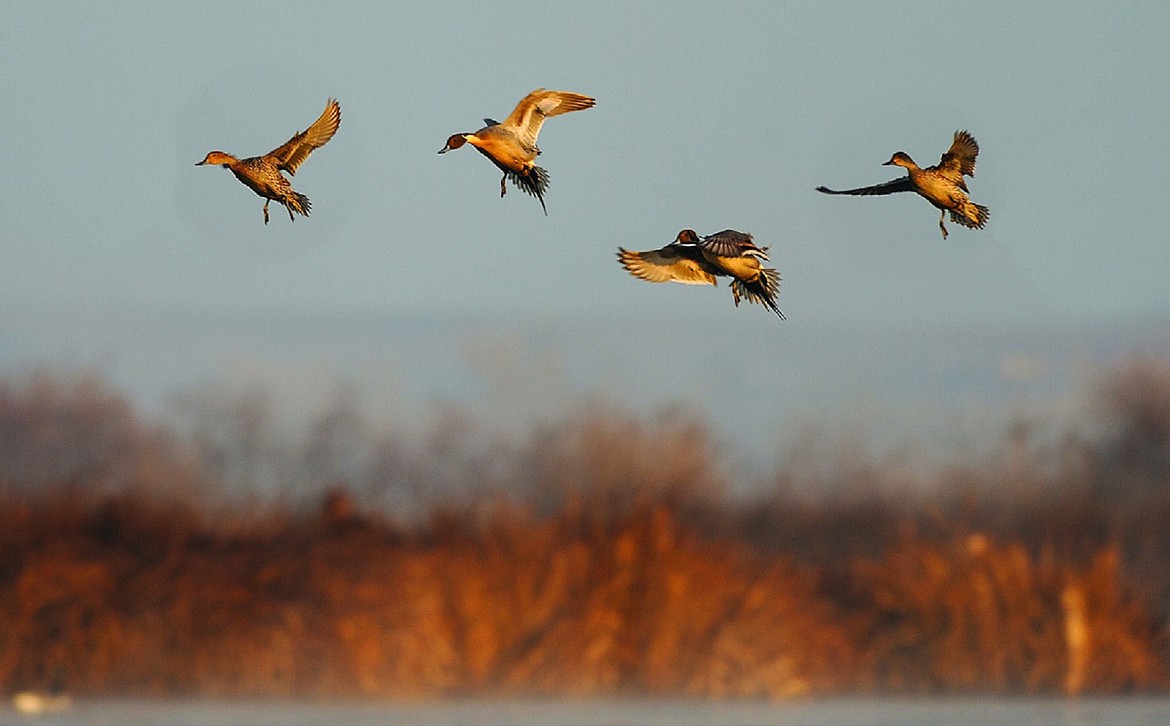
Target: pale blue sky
(708,116)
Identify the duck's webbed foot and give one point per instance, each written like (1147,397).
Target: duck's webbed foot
(266,212)
(942,226)
(503,189)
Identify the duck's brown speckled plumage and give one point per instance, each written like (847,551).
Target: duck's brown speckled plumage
(942,185)
(511,145)
(262,174)
(694,260)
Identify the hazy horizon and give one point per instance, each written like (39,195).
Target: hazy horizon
(935,390)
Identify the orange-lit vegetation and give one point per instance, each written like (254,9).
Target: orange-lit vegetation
(601,556)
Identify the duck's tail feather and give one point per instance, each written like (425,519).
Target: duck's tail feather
(534,182)
(763,290)
(970,215)
(299,203)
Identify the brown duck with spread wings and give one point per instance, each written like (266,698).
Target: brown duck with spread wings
(262,174)
(692,260)
(511,145)
(942,185)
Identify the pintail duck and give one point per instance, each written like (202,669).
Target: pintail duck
(511,145)
(692,260)
(941,185)
(262,174)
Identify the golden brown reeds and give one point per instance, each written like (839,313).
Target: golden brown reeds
(608,574)
(978,616)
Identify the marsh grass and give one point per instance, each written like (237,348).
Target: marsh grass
(600,556)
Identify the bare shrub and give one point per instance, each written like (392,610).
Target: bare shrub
(1134,450)
(611,460)
(59,431)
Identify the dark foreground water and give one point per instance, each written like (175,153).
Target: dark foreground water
(1078,712)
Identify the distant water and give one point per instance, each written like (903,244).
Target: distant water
(880,712)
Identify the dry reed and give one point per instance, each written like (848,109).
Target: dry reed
(606,560)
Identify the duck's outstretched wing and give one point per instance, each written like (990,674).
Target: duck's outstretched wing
(673,263)
(902,184)
(731,243)
(961,156)
(529,115)
(293,152)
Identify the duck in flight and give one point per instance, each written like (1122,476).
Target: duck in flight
(262,174)
(942,185)
(511,145)
(694,260)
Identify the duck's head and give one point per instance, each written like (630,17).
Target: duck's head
(216,158)
(454,143)
(900,158)
(687,237)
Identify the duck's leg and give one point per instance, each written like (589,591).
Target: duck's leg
(503,189)
(942,226)
(266,210)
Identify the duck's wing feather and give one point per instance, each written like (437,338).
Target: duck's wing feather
(902,184)
(731,243)
(529,115)
(961,156)
(290,155)
(673,263)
